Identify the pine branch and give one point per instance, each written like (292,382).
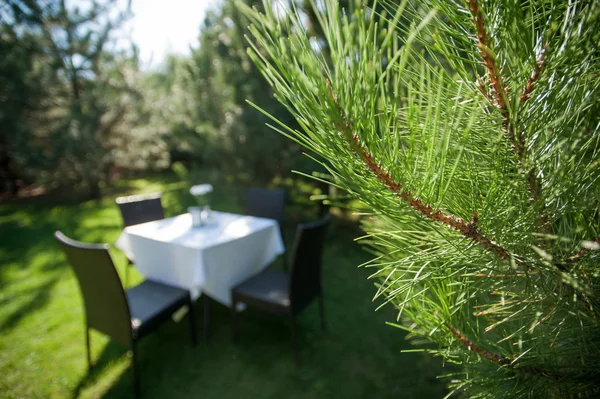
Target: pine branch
(467,229)
(497,359)
(534,76)
(517,140)
(489,61)
(497,85)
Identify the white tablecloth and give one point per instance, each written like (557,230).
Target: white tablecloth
(210,259)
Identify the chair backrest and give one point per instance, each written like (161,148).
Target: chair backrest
(138,209)
(305,274)
(266,203)
(106,307)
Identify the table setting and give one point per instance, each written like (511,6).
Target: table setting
(204,251)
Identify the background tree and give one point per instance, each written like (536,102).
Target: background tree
(209,121)
(82,101)
(473,136)
(19,96)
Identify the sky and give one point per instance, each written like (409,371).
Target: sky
(161,27)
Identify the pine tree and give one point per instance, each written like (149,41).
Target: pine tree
(76,125)
(471,129)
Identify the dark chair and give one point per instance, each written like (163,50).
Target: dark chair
(267,203)
(288,294)
(136,209)
(126,316)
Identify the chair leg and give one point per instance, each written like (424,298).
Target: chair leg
(89,354)
(322,312)
(234,333)
(192,322)
(206,317)
(136,375)
(293,328)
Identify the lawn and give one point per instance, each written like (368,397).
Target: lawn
(42,349)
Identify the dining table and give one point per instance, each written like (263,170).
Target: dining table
(206,260)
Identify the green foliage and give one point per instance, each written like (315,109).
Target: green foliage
(471,131)
(19,96)
(71,110)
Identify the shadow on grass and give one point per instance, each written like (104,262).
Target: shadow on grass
(36,302)
(30,244)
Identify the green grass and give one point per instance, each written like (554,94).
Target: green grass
(42,350)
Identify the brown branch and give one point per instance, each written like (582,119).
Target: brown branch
(534,76)
(498,359)
(498,90)
(488,59)
(517,140)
